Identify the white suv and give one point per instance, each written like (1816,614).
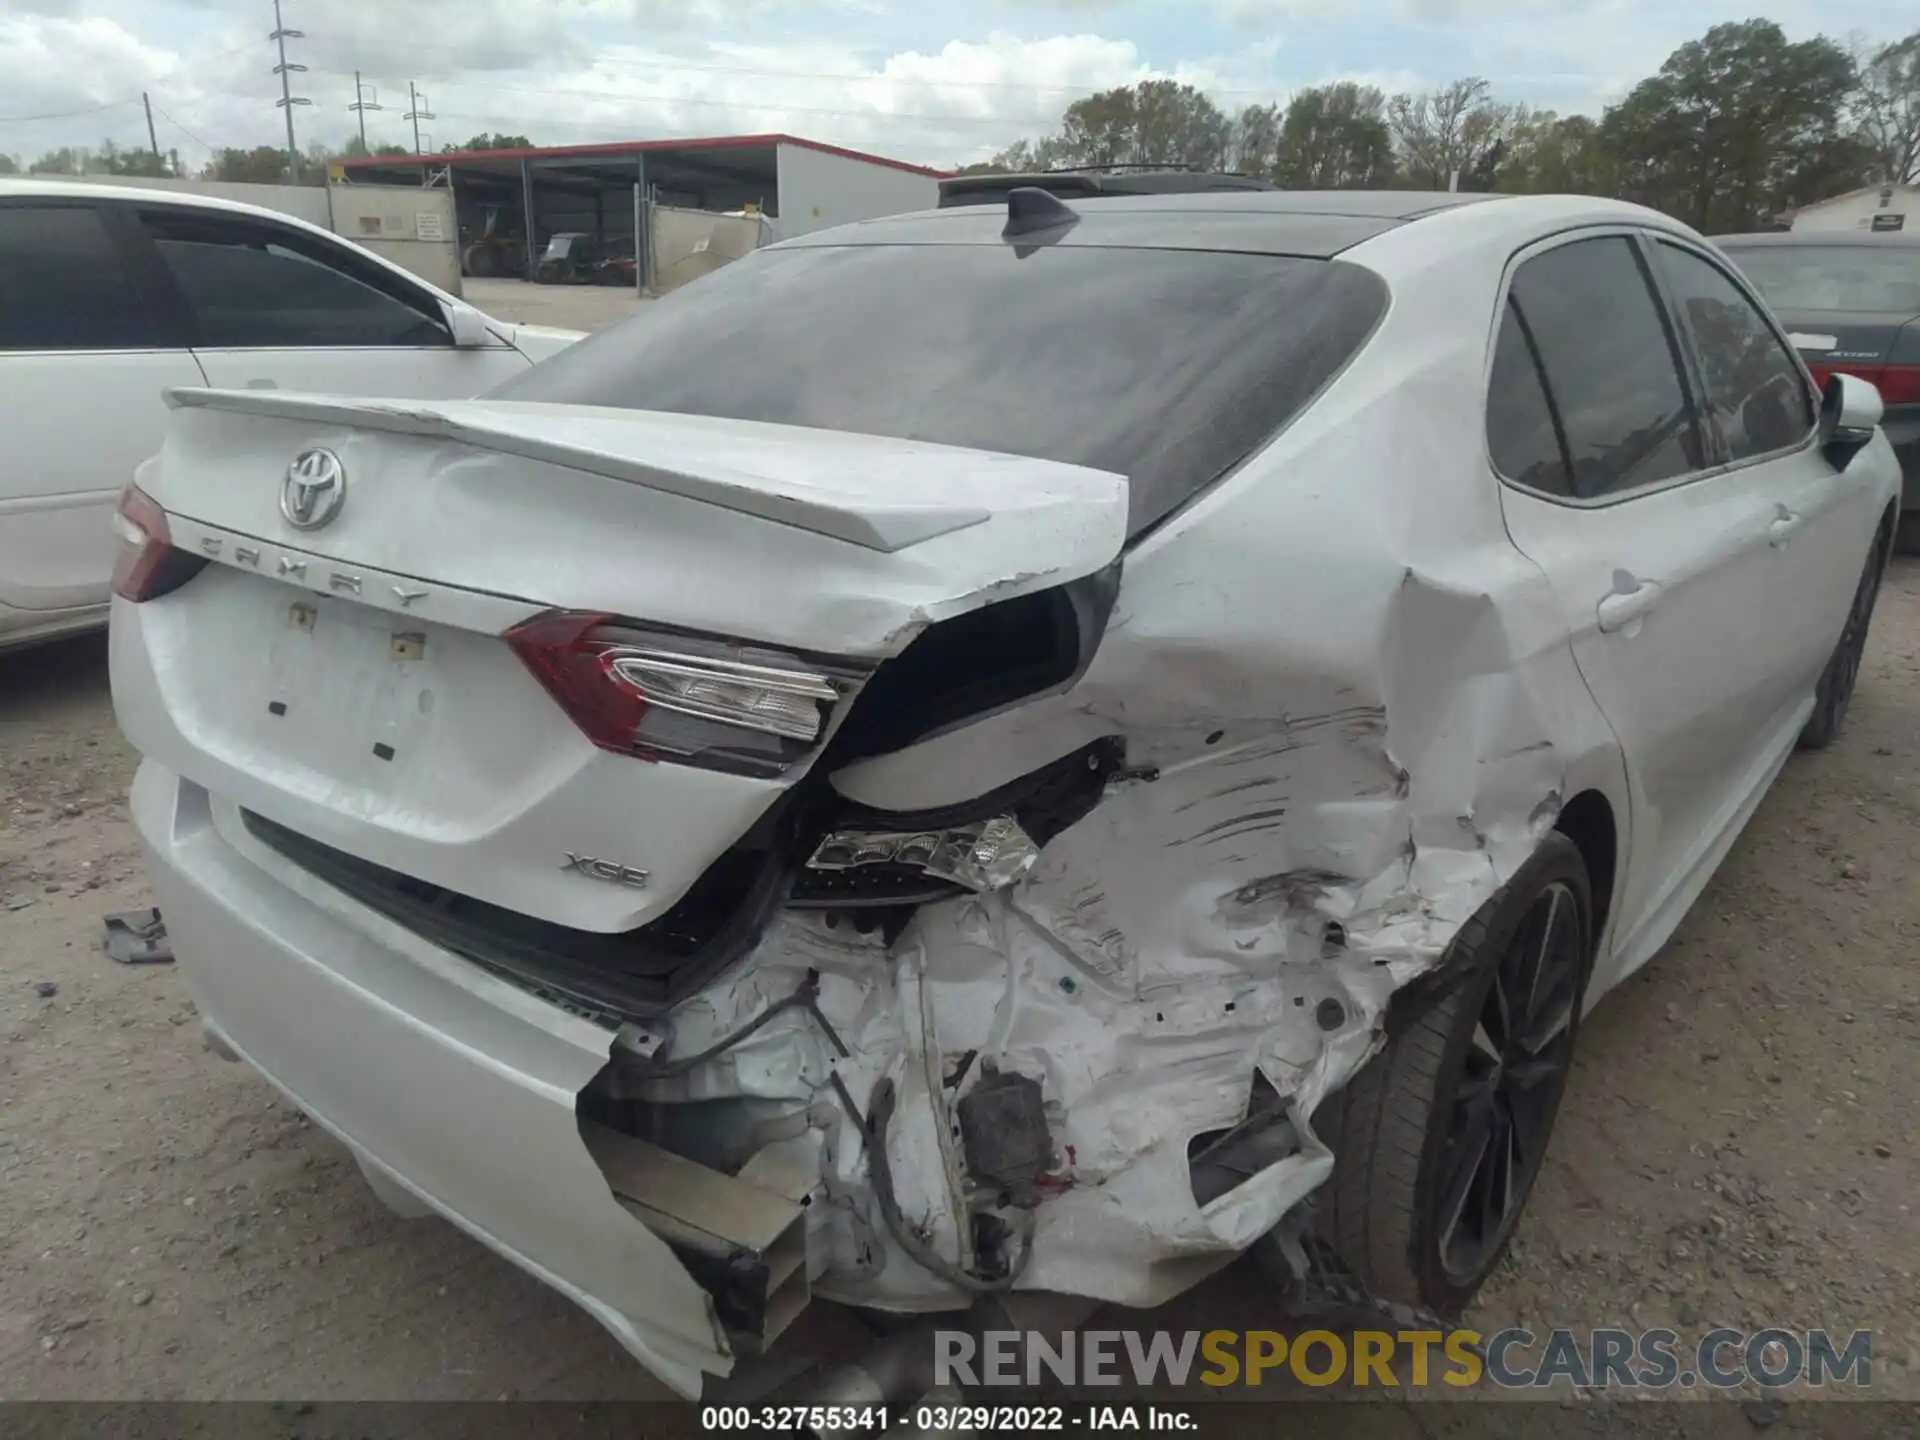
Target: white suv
(109,295)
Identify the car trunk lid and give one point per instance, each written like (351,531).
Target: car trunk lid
(350,682)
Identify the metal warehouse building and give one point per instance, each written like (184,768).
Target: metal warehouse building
(510,202)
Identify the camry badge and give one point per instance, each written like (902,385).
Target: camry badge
(314,490)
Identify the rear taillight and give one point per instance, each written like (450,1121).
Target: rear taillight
(660,696)
(1897,384)
(148,565)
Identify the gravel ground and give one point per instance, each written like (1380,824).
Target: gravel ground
(1738,1144)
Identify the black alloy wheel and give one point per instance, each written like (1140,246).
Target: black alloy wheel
(1438,1139)
(1508,1087)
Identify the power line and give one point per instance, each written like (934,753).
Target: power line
(361,105)
(68,114)
(288,99)
(203,144)
(623,97)
(1075,88)
(416,112)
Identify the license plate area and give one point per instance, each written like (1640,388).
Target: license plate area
(374,715)
(344,689)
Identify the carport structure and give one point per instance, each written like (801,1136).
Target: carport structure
(800,185)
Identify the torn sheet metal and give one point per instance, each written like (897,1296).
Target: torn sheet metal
(1245,900)
(1333,757)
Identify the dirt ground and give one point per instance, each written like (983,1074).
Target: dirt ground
(1738,1145)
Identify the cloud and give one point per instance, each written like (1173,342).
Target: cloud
(937,81)
(960,102)
(52,64)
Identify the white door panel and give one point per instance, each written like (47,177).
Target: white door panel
(1663,597)
(401,373)
(1820,520)
(1825,527)
(76,426)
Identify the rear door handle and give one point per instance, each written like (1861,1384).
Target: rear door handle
(1629,601)
(1785,522)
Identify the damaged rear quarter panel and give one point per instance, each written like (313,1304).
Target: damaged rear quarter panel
(1349,717)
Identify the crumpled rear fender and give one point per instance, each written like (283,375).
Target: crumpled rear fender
(1331,764)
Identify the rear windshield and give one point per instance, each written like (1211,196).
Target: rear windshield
(1166,366)
(1834,277)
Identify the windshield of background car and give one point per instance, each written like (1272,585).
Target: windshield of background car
(1834,277)
(1166,366)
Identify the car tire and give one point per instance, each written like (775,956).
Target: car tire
(1404,1127)
(1835,691)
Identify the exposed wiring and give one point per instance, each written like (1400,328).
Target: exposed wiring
(807,998)
(874,1128)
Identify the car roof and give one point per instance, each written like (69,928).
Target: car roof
(1318,224)
(34,187)
(1787,239)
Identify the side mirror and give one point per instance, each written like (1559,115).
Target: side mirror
(1850,412)
(468,327)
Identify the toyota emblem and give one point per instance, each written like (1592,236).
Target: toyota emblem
(314,490)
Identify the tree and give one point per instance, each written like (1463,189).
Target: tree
(1456,131)
(262,165)
(1549,154)
(1157,122)
(486,141)
(1253,141)
(356,148)
(64,161)
(110,159)
(9,165)
(1736,127)
(1887,110)
(1335,137)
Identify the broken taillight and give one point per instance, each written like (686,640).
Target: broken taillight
(148,565)
(660,696)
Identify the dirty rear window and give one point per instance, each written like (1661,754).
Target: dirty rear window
(1834,277)
(1166,366)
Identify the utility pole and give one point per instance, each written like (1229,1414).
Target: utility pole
(416,111)
(288,99)
(361,105)
(153,140)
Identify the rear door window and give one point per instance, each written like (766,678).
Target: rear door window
(64,284)
(1166,366)
(1755,392)
(1522,434)
(1610,366)
(253,284)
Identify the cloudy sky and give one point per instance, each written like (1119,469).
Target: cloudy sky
(937,81)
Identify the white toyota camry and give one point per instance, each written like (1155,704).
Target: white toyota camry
(1021,748)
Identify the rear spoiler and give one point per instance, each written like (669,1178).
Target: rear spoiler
(859,515)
